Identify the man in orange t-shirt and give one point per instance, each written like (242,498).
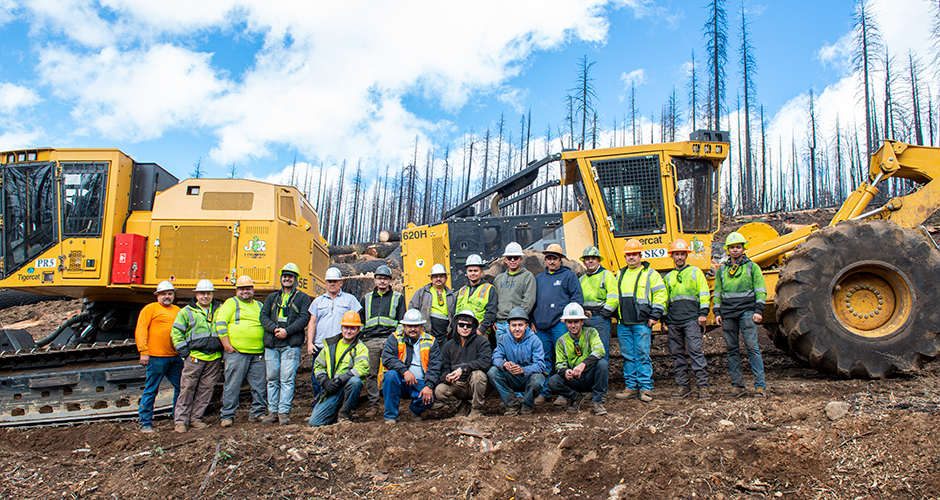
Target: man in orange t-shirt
(156,350)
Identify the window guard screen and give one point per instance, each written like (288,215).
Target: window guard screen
(83,195)
(29,225)
(632,191)
(694,194)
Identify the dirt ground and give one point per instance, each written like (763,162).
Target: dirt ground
(886,445)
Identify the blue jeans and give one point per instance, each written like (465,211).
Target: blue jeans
(238,367)
(324,412)
(603,329)
(394,388)
(593,379)
(635,348)
(549,337)
(281,366)
(170,367)
(729,326)
(508,385)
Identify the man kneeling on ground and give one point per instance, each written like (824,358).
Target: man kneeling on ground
(412,359)
(339,369)
(580,364)
(518,365)
(467,356)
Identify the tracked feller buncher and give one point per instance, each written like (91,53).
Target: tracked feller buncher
(96,225)
(854,299)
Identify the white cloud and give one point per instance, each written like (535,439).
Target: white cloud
(637,76)
(330,80)
(15,96)
(7,11)
(18,139)
(132,95)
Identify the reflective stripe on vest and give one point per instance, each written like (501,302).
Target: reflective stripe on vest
(424,348)
(389,320)
(476,302)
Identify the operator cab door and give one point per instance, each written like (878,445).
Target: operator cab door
(28,201)
(83,195)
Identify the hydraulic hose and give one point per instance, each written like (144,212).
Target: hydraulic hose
(85,316)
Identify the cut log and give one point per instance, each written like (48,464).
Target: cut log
(386,236)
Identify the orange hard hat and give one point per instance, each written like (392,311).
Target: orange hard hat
(633,245)
(555,248)
(351,318)
(244,280)
(679,245)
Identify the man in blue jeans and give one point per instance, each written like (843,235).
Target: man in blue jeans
(555,288)
(518,365)
(740,295)
(284,316)
(642,302)
(156,350)
(339,368)
(412,360)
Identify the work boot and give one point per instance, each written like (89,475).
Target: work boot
(627,394)
(540,399)
(181,428)
(437,406)
(759,393)
(511,411)
(198,424)
(474,413)
(372,412)
(599,409)
(646,396)
(560,401)
(574,405)
(342,417)
(270,418)
(737,392)
(682,392)
(391,421)
(283,419)
(146,430)
(464,409)
(703,393)
(253,418)
(227,422)
(525,410)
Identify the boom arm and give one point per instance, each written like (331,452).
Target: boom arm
(920,164)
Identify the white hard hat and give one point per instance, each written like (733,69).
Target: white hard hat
(474,260)
(204,286)
(412,317)
(438,269)
(164,286)
(333,274)
(513,250)
(573,311)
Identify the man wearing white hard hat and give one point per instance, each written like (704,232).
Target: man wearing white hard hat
(284,316)
(515,287)
(239,325)
(196,339)
(412,362)
(437,303)
(478,296)
(580,365)
(156,350)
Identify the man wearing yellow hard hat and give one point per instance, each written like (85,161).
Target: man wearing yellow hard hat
(239,325)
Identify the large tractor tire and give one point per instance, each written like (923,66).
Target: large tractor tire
(858,300)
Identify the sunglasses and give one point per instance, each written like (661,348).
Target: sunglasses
(512,257)
(464,325)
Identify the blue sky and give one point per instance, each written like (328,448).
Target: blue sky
(256,83)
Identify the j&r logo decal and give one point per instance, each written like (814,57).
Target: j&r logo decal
(256,245)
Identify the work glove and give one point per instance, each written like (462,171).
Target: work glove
(327,385)
(183,351)
(343,378)
(334,386)
(605,314)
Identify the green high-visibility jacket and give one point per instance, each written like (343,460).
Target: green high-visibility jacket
(600,291)
(739,288)
(566,355)
(642,295)
(688,295)
(195,330)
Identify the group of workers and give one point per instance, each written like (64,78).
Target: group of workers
(529,337)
